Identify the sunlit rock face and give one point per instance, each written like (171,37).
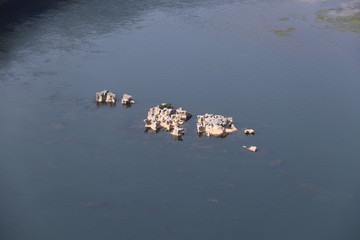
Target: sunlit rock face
(167,119)
(214,125)
(127,99)
(105,96)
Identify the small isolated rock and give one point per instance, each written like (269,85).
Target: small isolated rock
(251,148)
(249,131)
(127,99)
(105,96)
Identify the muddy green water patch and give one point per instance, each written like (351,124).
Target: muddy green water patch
(283,19)
(285,32)
(341,19)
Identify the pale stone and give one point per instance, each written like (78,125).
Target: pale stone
(251,148)
(105,96)
(154,125)
(168,119)
(101,96)
(127,99)
(215,125)
(110,97)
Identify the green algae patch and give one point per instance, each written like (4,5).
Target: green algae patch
(166,105)
(283,19)
(285,32)
(341,19)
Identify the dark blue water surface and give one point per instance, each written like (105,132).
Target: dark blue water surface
(74,170)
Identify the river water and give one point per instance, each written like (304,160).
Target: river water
(71,169)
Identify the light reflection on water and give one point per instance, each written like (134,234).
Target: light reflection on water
(77,170)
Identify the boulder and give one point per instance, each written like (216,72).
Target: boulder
(105,96)
(110,97)
(214,125)
(249,131)
(127,99)
(101,96)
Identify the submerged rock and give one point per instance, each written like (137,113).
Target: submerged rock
(105,96)
(215,125)
(251,148)
(127,99)
(168,119)
(249,131)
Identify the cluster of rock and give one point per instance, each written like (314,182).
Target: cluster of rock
(214,125)
(106,96)
(168,119)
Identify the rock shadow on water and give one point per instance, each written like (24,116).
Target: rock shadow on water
(222,136)
(156,131)
(100,105)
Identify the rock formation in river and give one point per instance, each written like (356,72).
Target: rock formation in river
(105,96)
(127,99)
(214,125)
(168,119)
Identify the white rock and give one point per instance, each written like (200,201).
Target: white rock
(178,131)
(251,148)
(214,125)
(110,97)
(127,99)
(105,96)
(168,119)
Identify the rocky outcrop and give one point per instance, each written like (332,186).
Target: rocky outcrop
(167,119)
(214,125)
(127,99)
(105,96)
